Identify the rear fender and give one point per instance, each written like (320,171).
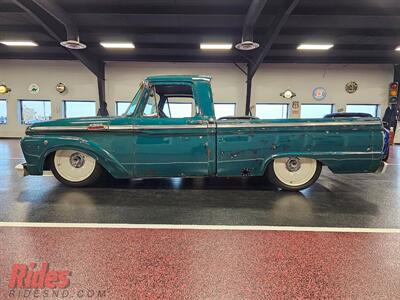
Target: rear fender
(337,162)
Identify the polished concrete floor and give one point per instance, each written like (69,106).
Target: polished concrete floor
(357,200)
(351,251)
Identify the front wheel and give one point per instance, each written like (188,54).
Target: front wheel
(75,168)
(293,173)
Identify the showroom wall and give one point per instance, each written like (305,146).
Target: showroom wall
(122,80)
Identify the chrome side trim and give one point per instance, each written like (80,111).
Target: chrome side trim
(118,127)
(162,127)
(302,124)
(59,128)
(203,126)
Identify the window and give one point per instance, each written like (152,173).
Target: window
(3,112)
(169,101)
(34,111)
(315,110)
(74,109)
(372,109)
(179,109)
(272,111)
(224,110)
(122,107)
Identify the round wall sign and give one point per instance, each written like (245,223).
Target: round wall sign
(351,87)
(33,89)
(319,93)
(60,87)
(287,94)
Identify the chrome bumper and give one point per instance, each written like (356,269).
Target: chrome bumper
(382,168)
(22,171)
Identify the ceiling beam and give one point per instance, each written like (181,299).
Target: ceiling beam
(45,17)
(272,33)
(62,16)
(250,20)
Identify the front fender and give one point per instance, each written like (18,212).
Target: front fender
(37,148)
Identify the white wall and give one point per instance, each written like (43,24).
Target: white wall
(18,75)
(373,83)
(123,78)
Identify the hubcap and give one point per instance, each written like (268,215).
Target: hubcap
(77,160)
(293,164)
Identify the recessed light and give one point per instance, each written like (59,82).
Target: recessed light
(19,43)
(397,48)
(216,46)
(315,46)
(118,45)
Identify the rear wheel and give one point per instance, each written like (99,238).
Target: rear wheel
(294,173)
(75,168)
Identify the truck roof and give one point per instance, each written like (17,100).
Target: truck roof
(178,78)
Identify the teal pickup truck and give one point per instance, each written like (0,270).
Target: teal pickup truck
(154,138)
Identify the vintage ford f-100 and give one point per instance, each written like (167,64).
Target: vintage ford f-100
(150,140)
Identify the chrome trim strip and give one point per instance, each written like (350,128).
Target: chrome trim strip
(118,127)
(303,124)
(203,126)
(60,128)
(162,127)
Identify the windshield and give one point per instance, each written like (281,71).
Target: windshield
(132,106)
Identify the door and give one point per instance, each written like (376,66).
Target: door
(171,136)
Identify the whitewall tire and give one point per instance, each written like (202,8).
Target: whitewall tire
(294,173)
(75,168)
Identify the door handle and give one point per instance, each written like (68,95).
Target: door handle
(195,122)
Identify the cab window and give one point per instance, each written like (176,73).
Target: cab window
(170,101)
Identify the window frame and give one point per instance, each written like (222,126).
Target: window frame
(21,107)
(116,106)
(377,107)
(64,107)
(6,116)
(225,103)
(309,104)
(275,103)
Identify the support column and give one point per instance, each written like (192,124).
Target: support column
(248,90)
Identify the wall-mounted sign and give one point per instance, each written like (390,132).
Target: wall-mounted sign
(295,109)
(319,93)
(4,89)
(33,89)
(60,87)
(351,87)
(287,94)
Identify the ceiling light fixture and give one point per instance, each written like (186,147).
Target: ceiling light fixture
(215,46)
(19,43)
(397,48)
(118,45)
(247,45)
(73,44)
(315,46)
